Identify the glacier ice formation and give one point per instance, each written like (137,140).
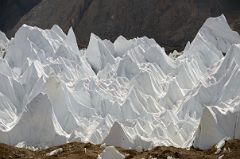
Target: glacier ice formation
(110,152)
(128,93)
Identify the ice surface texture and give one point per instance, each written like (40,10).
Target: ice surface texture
(110,152)
(128,93)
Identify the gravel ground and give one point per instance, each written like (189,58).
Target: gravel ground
(76,150)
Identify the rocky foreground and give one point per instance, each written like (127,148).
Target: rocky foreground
(76,150)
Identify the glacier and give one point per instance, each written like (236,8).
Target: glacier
(129,93)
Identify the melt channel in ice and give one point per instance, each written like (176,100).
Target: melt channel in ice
(128,93)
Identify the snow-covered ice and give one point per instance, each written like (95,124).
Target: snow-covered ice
(111,152)
(55,152)
(128,93)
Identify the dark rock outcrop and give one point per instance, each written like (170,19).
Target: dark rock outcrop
(12,10)
(170,22)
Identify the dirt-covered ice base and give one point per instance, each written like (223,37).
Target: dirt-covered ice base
(76,150)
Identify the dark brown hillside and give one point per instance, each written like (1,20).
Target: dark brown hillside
(170,22)
(12,10)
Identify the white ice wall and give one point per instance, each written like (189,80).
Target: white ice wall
(128,93)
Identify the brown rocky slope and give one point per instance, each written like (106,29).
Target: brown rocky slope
(231,150)
(171,22)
